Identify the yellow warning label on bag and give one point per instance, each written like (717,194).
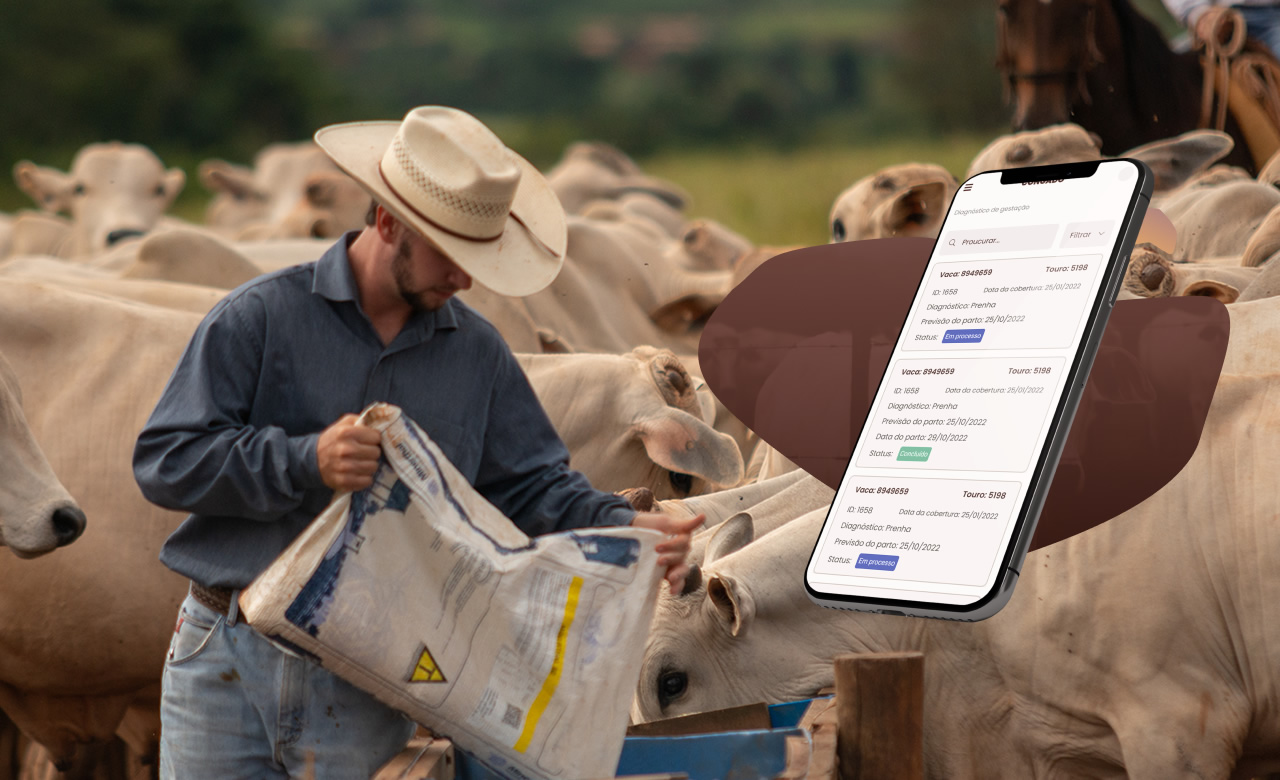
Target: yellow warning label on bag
(425,670)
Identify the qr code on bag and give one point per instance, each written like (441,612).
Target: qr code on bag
(512,716)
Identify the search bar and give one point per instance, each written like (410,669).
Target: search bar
(1025,238)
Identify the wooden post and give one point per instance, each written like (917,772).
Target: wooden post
(880,708)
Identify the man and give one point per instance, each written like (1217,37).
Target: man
(256,430)
(1261,19)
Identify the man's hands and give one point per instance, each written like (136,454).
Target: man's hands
(673,550)
(347,454)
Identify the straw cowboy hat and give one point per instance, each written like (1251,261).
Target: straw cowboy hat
(448,177)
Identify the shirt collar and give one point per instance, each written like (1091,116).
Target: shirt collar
(333,278)
(335,281)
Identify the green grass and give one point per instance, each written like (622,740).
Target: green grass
(783,198)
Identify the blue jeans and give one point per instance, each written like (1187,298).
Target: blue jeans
(1263,22)
(233,705)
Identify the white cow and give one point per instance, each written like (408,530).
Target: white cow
(68,275)
(724,504)
(251,200)
(92,370)
(114,192)
(1147,645)
(1152,273)
(786,498)
(901,200)
(592,170)
(1221,221)
(37,515)
(1046,146)
(332,203)
(646,429)
(1252,347)
(1265,285)
(662,213)
(1174,161)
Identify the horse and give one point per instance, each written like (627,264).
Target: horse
(1104,66)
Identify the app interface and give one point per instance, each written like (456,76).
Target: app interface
(945,460)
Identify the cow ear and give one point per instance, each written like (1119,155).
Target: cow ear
(731,603)
(48,187)
(665,191)
(225,177)
(706,400)
(732,535)
(553,343)
(917,211)
(605,155)
(1175,160)
(603,210)
(680,442)
(714,245)
(174,180)
(1264,242)
(1270,173)
(1218,290)
(678,315)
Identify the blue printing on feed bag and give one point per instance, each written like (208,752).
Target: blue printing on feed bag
(448,494)
(615,550)
(311,606)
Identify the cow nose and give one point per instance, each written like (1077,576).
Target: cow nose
(119,235)
(1152,276)
(68,524)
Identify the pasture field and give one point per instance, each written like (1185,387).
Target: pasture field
(783,198)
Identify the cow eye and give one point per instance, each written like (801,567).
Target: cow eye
(837,230)
(78,190)
(683,483)
(671,686)
(158,191)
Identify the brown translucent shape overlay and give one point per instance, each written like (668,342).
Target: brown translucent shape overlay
(1157,229)
(797,351)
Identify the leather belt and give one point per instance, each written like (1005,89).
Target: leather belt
(216,599)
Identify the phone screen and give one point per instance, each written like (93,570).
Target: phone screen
(940,477)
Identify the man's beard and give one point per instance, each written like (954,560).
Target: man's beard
(400,272)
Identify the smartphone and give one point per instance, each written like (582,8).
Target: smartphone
(941,496)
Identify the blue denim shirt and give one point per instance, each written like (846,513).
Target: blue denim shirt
(233,438)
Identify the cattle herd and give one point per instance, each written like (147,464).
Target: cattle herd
(1148,646)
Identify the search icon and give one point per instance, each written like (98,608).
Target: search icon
(1022,238)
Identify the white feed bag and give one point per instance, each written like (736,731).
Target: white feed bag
(525,651)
